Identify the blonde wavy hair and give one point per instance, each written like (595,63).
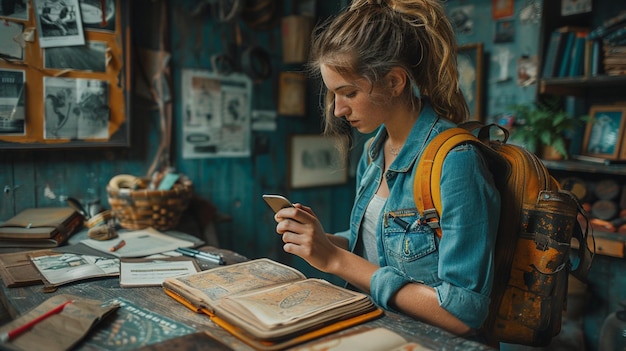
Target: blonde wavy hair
(371,37)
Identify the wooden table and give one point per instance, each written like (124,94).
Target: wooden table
(20,300)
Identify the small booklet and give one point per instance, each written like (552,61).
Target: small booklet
(61,331)
(136,272)
(40,227)
(58,268)
(270,305)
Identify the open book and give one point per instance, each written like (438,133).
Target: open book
(270,305)
(58,268)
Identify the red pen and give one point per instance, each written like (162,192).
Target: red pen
(10,335)
(117,246)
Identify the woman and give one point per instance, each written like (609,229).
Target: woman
(389,66)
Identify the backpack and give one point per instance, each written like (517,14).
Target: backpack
(532,252)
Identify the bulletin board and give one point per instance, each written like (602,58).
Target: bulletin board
(64,73)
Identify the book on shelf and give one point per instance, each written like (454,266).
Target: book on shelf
(572,33)
(577,58)
(608,26)
(596,57)
(559,51)
(553,54)
(616,36)
(269,305)
(41,227)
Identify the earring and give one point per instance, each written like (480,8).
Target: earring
(416,90)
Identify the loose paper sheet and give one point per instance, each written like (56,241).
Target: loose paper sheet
(152,272)
(139,243)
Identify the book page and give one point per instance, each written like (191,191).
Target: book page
(289,303)
(210,286)
(61,268)
(152,272)
(139,243)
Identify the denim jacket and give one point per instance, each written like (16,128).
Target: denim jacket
(459,266)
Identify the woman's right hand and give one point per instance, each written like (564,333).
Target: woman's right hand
(305,237)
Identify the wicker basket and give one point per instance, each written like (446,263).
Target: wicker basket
(142,208)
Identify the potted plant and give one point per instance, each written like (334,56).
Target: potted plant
(544,125)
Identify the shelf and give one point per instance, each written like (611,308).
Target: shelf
(578,86)
(586,167)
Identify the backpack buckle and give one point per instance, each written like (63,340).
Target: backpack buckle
(431,218)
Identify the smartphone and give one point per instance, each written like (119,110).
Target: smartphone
(277,202)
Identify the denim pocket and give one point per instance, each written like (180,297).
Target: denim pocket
(411,247)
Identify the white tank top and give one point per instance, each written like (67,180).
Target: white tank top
(371,221)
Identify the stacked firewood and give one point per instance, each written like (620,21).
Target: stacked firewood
(604,201)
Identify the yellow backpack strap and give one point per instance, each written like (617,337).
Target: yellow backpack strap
(426,190)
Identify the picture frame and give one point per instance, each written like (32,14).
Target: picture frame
(502,9)
(470,65)
(605,128)
(314,160)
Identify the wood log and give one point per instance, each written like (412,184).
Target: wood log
(607,189)
(604,209)
(578,187)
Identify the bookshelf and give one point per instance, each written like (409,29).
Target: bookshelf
(601,87)
(590,89)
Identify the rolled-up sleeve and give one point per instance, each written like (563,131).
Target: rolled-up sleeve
(385,282)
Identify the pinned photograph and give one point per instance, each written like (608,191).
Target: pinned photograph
(75,108)
(59,23)
(90,57)
(93,122)
(462,19)
(216,111)
(98,15)
(12,86)
(14,9)
(10,40)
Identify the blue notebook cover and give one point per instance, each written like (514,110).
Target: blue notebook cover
(550,63)
(578,56)
(567,53)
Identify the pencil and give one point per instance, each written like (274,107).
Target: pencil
(117,246)
(10,335)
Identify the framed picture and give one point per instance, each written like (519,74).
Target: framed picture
(502,9)
(603,136)
(315,161)
(470,66)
